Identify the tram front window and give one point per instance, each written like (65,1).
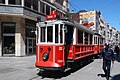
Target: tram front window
(58,33)
(43,29)
(50,34)
(46,34)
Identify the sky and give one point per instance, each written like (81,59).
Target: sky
(110,9)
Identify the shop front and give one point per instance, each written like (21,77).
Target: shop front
(17,37)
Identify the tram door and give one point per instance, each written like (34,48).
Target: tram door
(68,40)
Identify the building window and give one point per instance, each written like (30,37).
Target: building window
(29,31)
(42,7)
(35,4)
(30,28)
(28,3)
(59,1)
(9,28)
(16,2)
(2,1)
(47,10)
(52,9)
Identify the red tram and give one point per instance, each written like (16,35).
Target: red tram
(60,42)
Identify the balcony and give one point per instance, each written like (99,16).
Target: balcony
(16,10)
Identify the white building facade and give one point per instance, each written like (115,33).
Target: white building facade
(95,17)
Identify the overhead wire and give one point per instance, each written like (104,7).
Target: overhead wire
(72,6)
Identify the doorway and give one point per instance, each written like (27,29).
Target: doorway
(8,30)
(31,46)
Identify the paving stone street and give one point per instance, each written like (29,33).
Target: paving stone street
(23,68)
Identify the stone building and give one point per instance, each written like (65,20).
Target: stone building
(18,22)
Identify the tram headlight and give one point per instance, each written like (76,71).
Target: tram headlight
(45,56)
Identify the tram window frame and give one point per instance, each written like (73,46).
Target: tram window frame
(80,36)
(61,33)
(101,41)
(50,34)
(91,38)
(95,40)
(43,35)
(37,35)
(56,33)
(69,34)
(46,34)
(86,38)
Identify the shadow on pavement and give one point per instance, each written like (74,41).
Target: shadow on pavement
(116,77)
(101,75)
(59,74)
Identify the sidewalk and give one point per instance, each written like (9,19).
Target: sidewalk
(17,68)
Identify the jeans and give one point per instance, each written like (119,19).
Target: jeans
(106,67)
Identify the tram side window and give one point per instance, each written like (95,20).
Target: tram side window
(69,35)
(80,36)
(91,38)
(61,34)
(43,29)
(86,38)
(101,41)
(56,33)
(50,34)
(95,40)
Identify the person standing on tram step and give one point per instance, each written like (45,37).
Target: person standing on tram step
(117,50)
(108,55)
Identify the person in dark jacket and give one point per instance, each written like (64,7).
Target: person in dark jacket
(116,50)
(108,55)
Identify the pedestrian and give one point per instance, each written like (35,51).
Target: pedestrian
(108,55)
(116,50)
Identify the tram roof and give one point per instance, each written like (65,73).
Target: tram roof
(79,26)
(73,23)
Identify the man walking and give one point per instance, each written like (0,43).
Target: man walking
(108,55)
(116,50)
